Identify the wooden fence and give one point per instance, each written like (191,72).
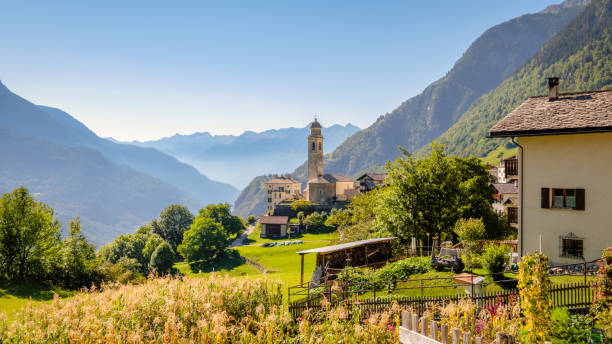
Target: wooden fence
(571,296)
(415,330)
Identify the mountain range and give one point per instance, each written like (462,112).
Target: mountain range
(498,55)
(113,187)
(226,158)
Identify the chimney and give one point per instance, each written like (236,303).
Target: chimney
(553,88)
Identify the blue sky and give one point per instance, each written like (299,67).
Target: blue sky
(144,70)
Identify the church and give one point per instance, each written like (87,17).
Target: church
(324,188)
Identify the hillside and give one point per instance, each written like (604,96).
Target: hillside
(251,199)
(78,181)
(579,55)
(87,189)
(493,57)
(226,158)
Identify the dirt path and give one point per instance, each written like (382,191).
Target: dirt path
(243,236)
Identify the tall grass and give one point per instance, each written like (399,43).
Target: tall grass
(218,309)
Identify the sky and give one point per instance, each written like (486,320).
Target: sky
(145,70)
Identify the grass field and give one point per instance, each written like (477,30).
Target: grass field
(15,296)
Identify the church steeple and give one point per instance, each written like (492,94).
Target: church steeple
(315,151)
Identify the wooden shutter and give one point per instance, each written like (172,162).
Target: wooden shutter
(579,199)
(545,198)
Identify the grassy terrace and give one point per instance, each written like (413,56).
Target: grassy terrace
(13,297)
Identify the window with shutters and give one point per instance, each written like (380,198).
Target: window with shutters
(563,198)
(571,246)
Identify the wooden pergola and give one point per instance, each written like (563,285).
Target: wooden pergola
(356,253)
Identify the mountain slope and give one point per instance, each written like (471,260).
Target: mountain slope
(78,181)
(53,125)
(251,199)
(580,55)
(226,158)
(492,58)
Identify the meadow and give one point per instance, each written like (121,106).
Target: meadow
(218,309)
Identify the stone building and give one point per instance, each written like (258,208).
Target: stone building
(280,189)
(324,188)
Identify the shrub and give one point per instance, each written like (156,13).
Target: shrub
(495,258)
(301,205)
(251,219)
(569,328)
(162,258)
(535,303)
(316,221)
(401,270)
(470,230)
(472,260)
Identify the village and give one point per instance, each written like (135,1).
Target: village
(562,142)
(306,172)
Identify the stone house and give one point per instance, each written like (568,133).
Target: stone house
(370,181)
(279,189)
(273,226)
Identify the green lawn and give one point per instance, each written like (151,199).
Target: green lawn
(324,237)
(14,297)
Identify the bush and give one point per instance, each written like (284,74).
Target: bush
(315,222)
(472,260)
(251,219)
(470,230)
(162,259)
(569,328)
(535,301)
(401,270)
(495,258)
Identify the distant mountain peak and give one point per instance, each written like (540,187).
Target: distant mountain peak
(554,9)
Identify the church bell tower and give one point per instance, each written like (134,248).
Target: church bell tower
(315,151)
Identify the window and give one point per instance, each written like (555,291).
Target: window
(269,200)
(313,146)
(572,246)
(512,215)
(320,146)
(563,198)
(281,189)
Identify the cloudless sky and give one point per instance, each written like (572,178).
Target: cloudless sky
(144,70)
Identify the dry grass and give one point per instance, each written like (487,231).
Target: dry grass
(219,309)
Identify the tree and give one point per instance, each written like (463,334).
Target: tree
(251,219)
(430,195)
(151,244)
(221,213)
(470,230)
(29,235)
(162,258)
(301,205)
(204,242)
(316,221)
(128,246)
(172,223)
(81,265)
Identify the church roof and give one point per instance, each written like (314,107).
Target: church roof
(315,124)
(282,181)
(331,178)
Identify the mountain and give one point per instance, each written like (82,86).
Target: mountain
(151,161)
(579,55)
(251,199)
(113,187)
(493,57)
(226,158)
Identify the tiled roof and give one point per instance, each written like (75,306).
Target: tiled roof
(374,176)
(282,181)
(331,178)
(570,113)
(505,188)
(274,220)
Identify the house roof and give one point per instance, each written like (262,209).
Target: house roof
(274,220)
(505,188)
(282,181)
(583,112)
(341,247)
(374,176)
(331,178)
